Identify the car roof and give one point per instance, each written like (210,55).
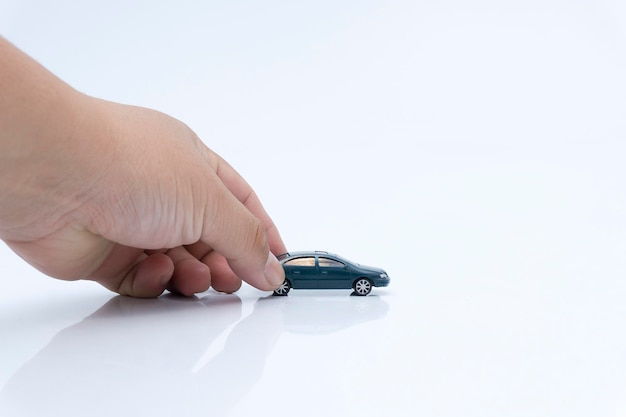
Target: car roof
(290,255)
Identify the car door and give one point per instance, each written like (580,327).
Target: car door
(302,272)
(333,274)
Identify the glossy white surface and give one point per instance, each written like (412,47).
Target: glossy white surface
(474,151)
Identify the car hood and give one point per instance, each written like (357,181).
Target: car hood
(372,269)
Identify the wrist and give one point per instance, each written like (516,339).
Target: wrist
(45,154)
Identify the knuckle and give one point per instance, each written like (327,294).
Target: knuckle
(259,240)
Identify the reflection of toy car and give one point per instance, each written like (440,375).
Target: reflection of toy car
(321,270)
(322,312)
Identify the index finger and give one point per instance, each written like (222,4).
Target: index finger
(242,191)
(236,225)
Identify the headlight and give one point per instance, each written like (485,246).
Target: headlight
(383,275)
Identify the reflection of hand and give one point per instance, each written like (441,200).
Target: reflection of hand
(133,355)
(122,195)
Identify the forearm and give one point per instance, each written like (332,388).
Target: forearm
(34,106)
(41,119)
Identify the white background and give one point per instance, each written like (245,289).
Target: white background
(475,150)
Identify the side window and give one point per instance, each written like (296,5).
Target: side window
(327,262)
(308,261)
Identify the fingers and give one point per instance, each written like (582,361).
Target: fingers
(237,226)
(190,276)
(149,277)
(136,273)
(223,278)
(145,276)
(246,195)
(241,238)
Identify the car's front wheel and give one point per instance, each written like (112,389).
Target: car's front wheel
(283,289)
(362,286)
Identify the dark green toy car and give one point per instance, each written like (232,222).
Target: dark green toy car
(322,270)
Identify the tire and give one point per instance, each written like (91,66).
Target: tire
(362,286)
(283,289)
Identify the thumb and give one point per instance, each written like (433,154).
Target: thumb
(242,238)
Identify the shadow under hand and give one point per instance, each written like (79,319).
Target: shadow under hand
(137,357)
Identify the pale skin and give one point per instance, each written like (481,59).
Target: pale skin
(122,195)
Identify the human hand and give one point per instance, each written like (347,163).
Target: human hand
(124,196)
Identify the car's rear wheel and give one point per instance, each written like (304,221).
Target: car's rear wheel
(362,286)
(283,289)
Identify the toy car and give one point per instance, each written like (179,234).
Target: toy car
(322,270)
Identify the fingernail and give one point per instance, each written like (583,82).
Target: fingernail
(274,271)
